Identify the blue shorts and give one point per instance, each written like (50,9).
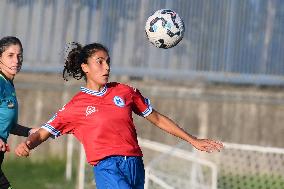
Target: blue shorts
(120,172)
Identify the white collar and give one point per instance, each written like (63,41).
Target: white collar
(95,93)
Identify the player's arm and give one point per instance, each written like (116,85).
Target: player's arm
(35,139)
(171,127)
(22,130)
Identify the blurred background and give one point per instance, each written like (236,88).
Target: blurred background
(224,80)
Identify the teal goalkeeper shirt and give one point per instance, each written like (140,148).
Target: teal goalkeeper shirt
(8,107)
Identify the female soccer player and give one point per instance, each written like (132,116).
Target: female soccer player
(11,58)
(100,117)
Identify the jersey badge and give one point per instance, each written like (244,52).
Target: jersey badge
(118,101)
(90,110)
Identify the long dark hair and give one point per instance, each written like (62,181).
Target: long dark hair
(77,55)
(7,41)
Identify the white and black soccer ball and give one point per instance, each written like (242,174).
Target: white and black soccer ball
(164,28)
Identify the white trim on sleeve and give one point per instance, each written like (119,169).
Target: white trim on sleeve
(51,129)
(149,109)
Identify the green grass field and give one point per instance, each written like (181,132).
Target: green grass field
(251,182)
(50,174)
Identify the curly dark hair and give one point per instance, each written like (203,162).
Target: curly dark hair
(77,55)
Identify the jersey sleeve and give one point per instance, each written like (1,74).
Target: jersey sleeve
(61,122)
(141,105)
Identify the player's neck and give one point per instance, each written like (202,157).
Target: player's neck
(7,76)
(95,87)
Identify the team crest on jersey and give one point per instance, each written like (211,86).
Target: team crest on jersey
(90,110)
(118,101)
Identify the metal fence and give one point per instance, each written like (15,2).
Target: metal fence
(237,166)
(235,41)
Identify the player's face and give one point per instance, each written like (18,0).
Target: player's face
(97,70)
(10,61)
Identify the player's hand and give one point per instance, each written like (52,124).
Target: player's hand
(22,149)
(207,145)
(3,146)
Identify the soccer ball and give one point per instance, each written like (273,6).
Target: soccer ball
(164,28)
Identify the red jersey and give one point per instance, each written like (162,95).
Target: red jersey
(102,121)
